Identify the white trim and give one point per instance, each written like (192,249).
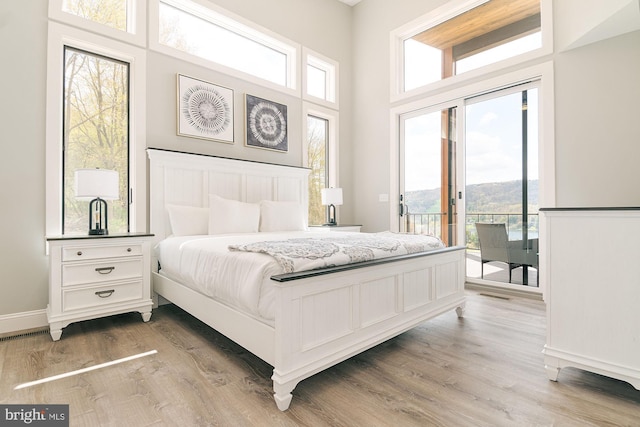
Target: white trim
(60,36)
(332,70)
(23,321)
(136,32)
(440,15)
(240,26)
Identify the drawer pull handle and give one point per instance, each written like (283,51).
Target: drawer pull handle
(128,249)
(105,294)
(79,253)
(105,270)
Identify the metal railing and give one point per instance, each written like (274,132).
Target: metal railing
(431,223)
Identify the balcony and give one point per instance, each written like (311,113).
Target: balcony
(431,223)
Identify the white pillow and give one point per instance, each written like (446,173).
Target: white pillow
(281,216)
(232,216)
(188,220)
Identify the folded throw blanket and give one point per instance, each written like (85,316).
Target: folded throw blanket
(311,253)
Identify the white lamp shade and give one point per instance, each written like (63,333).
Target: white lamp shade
(331,196)
(92,183)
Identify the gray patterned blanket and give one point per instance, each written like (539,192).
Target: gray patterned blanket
(310,253)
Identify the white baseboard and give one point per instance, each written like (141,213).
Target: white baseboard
(16,322)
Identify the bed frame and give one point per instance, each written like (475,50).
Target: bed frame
(322,317)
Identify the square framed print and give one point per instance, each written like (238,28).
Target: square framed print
(266,124)
(205,110)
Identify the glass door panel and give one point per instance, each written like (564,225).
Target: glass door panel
(427,174)
(501,185)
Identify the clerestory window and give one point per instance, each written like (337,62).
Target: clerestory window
(207,34)
(473,34)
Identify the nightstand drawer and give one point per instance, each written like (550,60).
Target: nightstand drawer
(79,253)
(78,299)
(96,272)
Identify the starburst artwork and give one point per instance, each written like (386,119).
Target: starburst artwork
(266,124)
(205,110)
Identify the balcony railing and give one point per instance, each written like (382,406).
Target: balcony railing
(431,223)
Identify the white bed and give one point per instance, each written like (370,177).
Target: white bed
(313,319)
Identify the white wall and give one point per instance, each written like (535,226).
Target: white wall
(23,47)
(598,123)
(321,25)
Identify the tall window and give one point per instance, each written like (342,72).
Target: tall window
(96,133)
(200,31)
(317,155)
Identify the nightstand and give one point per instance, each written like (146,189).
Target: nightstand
(340,227)
(98,276)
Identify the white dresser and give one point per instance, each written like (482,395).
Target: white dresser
(97,276)
(589,261)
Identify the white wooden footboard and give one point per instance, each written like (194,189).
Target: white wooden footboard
(326,319)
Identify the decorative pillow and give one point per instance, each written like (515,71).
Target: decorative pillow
(281,216)
(188,220)
(232,216)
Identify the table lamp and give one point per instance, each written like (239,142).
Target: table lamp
(97,185)
(331,197)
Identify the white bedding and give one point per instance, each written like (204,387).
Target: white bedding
(241,277)
(238,279)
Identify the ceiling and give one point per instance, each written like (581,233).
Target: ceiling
(491,16)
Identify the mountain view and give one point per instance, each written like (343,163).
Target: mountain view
(497,197)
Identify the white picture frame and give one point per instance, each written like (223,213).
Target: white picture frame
(204,110)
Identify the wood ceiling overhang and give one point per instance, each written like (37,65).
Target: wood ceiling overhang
(486,18)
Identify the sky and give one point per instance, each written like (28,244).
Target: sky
(493,143)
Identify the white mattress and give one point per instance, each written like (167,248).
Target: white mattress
(238,279)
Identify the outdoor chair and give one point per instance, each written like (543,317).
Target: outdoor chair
(496,246)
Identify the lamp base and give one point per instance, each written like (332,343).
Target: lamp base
(98,232)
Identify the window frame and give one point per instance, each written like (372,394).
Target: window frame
(332,117)
(443,14)
(136,32)
(60,36)
(236,24)
(332,83)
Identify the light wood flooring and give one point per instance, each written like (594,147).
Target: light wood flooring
(483,370)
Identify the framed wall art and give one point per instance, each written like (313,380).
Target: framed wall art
(266,124)
(205,110)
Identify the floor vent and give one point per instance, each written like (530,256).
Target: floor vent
(496,296)
(26,334)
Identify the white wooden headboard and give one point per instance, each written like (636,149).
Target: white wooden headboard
(188,179)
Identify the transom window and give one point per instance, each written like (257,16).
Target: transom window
(490,32)
(124,20)
(202,32)
(321,79)
(112,13)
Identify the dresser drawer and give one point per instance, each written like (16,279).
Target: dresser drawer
(78,253)
(104,271)
(89,297)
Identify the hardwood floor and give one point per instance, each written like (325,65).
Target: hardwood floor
(483,370)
